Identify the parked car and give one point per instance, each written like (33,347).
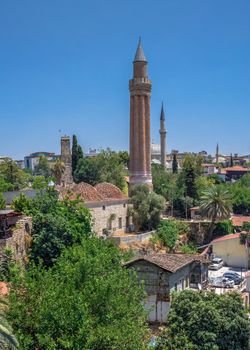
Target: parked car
(216,264)
(222,282)
(233,276)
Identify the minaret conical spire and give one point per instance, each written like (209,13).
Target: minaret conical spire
(162,112)
(139,55)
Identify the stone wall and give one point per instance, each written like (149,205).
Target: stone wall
(102,212)
(17,239)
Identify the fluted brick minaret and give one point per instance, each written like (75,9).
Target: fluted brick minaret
(163,133)
(140,92)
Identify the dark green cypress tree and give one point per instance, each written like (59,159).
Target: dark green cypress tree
(231,160)
(77,153)
(175,164)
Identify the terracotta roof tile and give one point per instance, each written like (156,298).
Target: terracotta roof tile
(225,238)
(168,262)
(88,193)
(109,191)
(238,220)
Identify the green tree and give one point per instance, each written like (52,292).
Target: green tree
(223,228)
(2,201)
(88,170)
(57,170)
(175,164)
(39,182)
(147,208)
(107,166)
(7,339)
(43,167)
(206,321)
(191,169)
(12,178)
(215,204)
(87,301)
(21,204)
(55,226)
(168,233)
(231,160)
(77,154)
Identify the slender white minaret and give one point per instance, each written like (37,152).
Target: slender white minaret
(163,133)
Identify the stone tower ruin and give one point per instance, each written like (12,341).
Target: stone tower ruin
(66,157)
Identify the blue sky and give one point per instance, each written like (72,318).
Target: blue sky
(65,65)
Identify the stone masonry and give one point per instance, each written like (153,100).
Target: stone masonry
(67,178)
(18,239)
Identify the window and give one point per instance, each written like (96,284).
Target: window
(103,207)
(175,287)
(120,222)
(124,205)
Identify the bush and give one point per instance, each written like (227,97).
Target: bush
(188,249)
(168,233)
(87,301)
(2,201)
(246,226)
(223,228)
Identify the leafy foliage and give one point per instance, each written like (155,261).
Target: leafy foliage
(6,265)
(175,164)
(2,201)
(77,154)
(147,207)
(43,167)
(107,166)
(56,224)
(39,182)
(206,321)
(215,204)
(223,228)
(168,233)
(11,177)
(7,339)
(86,301)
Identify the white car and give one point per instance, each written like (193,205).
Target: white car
(216,264)
(222,282)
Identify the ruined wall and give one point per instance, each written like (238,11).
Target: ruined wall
(67,178)
(18,239)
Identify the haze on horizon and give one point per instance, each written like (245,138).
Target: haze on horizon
(65,68)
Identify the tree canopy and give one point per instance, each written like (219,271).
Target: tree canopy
(147,207)
(107,166)
(55,224)
(206,321)
(87,300)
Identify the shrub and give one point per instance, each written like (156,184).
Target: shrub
(168,233)
(223,228)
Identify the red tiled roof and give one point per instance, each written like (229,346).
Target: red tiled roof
(168,262)
(224,238)
(109,191)
(88,193)
(238,220)
(237,168)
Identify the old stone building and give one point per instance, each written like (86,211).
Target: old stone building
(67,178)
(107,204)
(140,92)
(165,273)
(15,232)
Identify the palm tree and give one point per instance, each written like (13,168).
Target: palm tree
(7,338)
(58,169)
(215,204)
